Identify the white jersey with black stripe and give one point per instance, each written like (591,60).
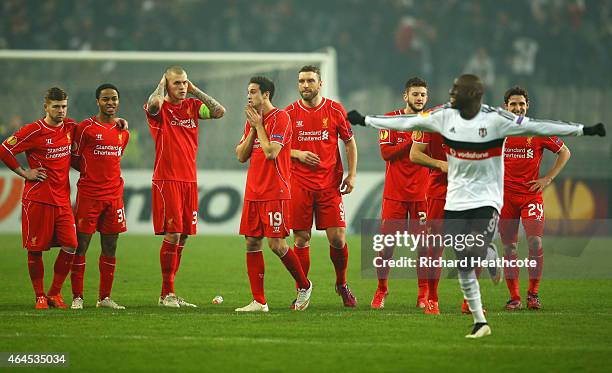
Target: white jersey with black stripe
(475,148)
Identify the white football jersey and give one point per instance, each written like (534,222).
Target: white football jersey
(475,148)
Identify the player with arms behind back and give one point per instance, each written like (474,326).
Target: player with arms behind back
(97,148)
(46,219)
(174,121)
(523,198)
(266,142)
(316,174)
(404,192)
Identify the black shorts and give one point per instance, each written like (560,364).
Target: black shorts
(472,230)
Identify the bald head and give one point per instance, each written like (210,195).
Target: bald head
(467,90)
(176,70)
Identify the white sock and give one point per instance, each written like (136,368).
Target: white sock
(491,254)
(471,292)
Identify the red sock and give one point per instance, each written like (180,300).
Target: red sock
(303,254)
(76,275)
(292,263)
(37,273)
(382,272)
(421,275)
(106,264)
(433,277)
(340,259)
(179,253)
(62,267)
(535,273)
(256,269)
(512,278)
(167,260)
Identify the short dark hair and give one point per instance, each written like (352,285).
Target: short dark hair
(311,69)
(516,91)
(175,69)
(103,87)
(55,94)
(265,84)
(415,82)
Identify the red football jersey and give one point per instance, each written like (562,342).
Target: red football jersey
(268,179)
(317,130)
(175,133)
(522,158)
(436,186)
(404,180)
(47,147)
(99,147)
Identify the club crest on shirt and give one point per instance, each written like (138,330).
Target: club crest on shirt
(120,138)
(482,132)
(325,122)
(529,140)
(417,135)
(11,140)
(384,135)
(68,137)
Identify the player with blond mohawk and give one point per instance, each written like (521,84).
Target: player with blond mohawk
(174,123)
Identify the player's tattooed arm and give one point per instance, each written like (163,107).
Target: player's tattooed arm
(216,109)
(156,99)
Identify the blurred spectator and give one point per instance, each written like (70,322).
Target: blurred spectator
(482,65)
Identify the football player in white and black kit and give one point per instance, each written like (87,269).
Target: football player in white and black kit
(474,136)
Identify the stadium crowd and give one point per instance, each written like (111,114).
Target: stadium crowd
(521,37)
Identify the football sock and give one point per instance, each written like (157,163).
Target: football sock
(512,278)
(37,272)
(179,253)
(106,264)
(62,267)
(303,254)
(256,270)
(340,259)
(471,292)
(421,274)
(535,273)
(382,272)
(167,260)
(76,275)
(434,273)
(292,263)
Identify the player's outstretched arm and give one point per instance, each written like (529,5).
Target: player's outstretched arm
(512,125)
(216,109)
(419,156)
(156,99)
(424,122)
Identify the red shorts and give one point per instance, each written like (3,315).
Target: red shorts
(527,207)
(175,207)
(399,213)
(435,214)
(44,226)
(107,217)
(270,219)
(326,204)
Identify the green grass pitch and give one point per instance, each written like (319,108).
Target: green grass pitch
(572,333)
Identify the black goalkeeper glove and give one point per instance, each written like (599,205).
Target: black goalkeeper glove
(596,130)
(356,118)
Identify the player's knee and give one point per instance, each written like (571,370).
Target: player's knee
(336,238)
(279,246)
(253,244)
(511,249)
(534,242)
(69,250)
(183,239)
(173,238)
(301,238)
